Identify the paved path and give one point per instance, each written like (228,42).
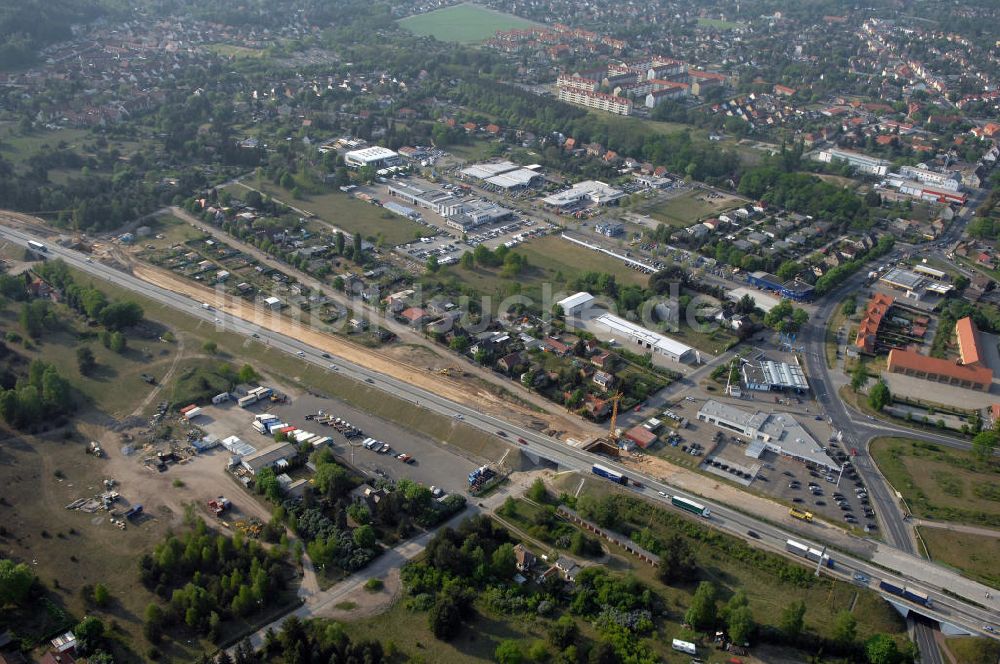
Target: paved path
(958,527)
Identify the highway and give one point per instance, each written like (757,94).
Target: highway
(972,615)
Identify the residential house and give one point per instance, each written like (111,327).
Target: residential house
(604,380)
(553,345)
(415,316)
(524,559)
(508,362)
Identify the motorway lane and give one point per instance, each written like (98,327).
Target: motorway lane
(554,450)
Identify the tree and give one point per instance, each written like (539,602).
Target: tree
(740,624)
(984,444)
(859,376)
(364,537)
(508,652)
(845,628)
(15,582)
(357,246)
(503,563)
(882,649)
(879,396)
(117,342)
(445,618)
(564,632)
(468,261)
(120,315)
(89,634)
(85,359)
(677,561)
(152,627)
(792,620)
(101,595)
(537,491)
(210,347)
(701,613)
(432,264)
(247,374)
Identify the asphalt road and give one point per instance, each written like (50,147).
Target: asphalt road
(946,606)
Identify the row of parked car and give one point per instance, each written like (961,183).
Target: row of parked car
(341,425)
(380,447)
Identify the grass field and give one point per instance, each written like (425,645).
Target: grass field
(941,483)
(688,208)
(968,650)
(466,23)
(347,213)
(974,555)
(551,260)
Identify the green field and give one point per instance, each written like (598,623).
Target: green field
(941,483)
(345,212)
(466,23)
(975,555)
(688,208)
(969,650)
(551,261)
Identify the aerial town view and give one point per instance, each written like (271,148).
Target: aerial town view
(516,331)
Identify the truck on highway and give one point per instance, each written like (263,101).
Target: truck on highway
(815,555)
(801,515)
(689,505)
(609,474)
(37,246)
(905,592)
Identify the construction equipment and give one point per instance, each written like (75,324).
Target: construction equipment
(612,431)
(219,505)
(95,449)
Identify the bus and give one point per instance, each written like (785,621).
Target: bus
(37,246)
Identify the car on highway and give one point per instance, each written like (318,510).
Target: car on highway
(326,355)
(255,335)
(335,367)
(662,493)
(458,416)
(860,578)
(753,534)
(502,434)
(522,441)
(369,380)
(300,353)
(989,628)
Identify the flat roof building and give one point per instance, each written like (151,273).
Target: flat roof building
(909,363)
(646,340)
(770,376)
(589,191)
(778,432)
(269,457)
(903,279)
(375,156)
(858,161)
(793,290)
(469,214)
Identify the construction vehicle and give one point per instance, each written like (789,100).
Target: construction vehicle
(219,505)
(801,515)
(95,448)
(132,512)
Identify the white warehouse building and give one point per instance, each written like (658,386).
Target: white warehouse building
(575,304)
(376,157)
(646,340)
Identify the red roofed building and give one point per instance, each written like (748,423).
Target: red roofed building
(909,363)
(414,315)
(783,90)
(641,436)
(876,310)
(968,342)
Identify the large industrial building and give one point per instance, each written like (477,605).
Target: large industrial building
(857,161)
(793,290)
(945,181)
(770,376)
(645,340)
(469,214)
(584,193)
(430,198)
(376,157)
(503,175)
(778,432)
(575,304)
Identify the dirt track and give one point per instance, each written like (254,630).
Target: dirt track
(454,389)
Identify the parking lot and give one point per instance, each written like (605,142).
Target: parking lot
(433,463)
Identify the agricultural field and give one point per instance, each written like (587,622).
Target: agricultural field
(466,23)
(344,212)
(974,555)
(941,483)
(19,148)
(689,207)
